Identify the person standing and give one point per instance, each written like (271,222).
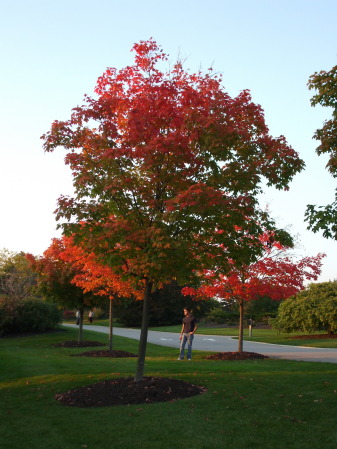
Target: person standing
(188,329)
(91,316)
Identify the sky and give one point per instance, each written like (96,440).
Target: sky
(53,52)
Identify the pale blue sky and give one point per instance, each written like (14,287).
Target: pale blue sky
(53,52)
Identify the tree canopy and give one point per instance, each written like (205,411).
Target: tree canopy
(17,279)
(277,274)
(89,275)
(161,160)
(324,218)
(55,278)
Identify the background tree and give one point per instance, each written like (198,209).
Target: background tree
(259,310)
(314,308)
(161,160)
(21,309)
(93,277)
(165,308)
(55,284)
(275,274)
(324,218)
(17,279)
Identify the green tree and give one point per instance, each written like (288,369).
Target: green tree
(54,282)
(166,306)
(17,279)
(21,308)
(314,308)
(324,218)
(261,306)
(167,168)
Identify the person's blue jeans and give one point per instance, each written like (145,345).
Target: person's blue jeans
(187,338)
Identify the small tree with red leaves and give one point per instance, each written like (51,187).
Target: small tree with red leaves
(55,278)
(72,277)
(276,274)
(95,278)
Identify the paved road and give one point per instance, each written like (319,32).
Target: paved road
(218,343)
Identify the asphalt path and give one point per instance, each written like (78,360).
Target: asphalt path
(219,343)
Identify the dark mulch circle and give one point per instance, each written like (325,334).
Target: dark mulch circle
(105,353)
(236,356)
(125,391)
(313,337)
(76,344)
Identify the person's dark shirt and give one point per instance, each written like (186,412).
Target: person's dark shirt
(189,323)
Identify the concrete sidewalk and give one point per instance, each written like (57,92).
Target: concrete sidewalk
(219,343)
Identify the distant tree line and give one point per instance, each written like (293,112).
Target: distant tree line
(22,310)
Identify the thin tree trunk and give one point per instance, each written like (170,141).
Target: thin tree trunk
(143,333)
(80,328)
(240,346)
(110,325)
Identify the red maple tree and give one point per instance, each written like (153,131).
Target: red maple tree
(83,270)
(92,276)
(276,274)
(161,159)
(55,278)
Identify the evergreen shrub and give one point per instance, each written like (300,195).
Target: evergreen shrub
(29,316)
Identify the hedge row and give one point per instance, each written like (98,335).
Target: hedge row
(29,316)
(220,316)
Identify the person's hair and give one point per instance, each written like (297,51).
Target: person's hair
(188,309)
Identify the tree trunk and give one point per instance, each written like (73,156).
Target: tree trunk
(110,325)
(240,346)
(143,333)
(80,327)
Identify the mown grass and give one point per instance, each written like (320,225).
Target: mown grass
(249,404)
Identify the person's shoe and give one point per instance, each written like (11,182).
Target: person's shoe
(189,358)
(179,358)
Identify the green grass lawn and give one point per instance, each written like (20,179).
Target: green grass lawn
(259,404)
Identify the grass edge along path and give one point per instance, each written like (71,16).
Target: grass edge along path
(248,404)
(264,335)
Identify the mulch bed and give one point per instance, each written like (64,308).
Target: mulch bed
(236,356)
(96,353)
(125,391)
